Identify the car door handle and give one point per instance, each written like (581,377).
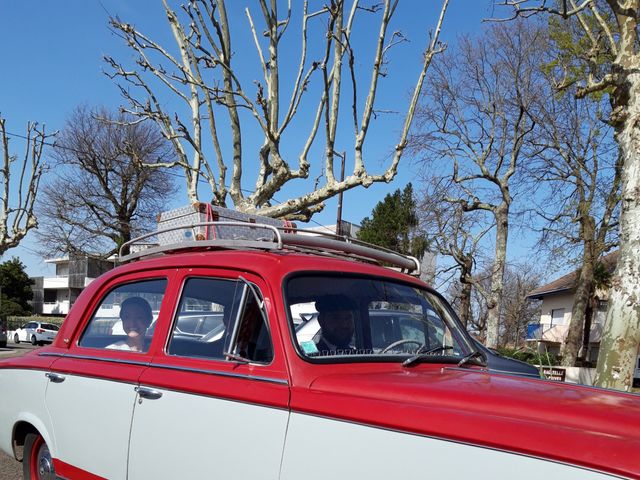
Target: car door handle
(54,377)
(148,393)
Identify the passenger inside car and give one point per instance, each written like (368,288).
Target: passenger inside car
(136,316)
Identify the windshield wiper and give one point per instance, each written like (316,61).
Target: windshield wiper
(421,354)
(472,355)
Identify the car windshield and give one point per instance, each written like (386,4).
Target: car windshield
(343,318)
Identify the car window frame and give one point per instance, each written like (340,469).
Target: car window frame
(237,309)
(464,340)
(98,298)
(278,368)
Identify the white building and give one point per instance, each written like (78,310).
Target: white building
(54,295)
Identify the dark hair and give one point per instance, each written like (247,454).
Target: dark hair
(334,303)
(138,302)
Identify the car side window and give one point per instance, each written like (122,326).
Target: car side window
(217,319)
(126,317)
(200,327)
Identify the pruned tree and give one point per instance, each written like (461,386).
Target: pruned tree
(477,129)
(620,81)
(206,77)
(20,183)
(394,224)
(102,194)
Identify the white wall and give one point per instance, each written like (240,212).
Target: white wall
(554,302)
(55,282)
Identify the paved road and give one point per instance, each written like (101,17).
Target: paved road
(9,468)
(14,350)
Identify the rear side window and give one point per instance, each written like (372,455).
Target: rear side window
(221,319)
(126,317)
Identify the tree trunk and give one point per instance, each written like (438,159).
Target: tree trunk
(588,321)
(584,290)
(583,293)
(495,297)
(621,336)
(465,304)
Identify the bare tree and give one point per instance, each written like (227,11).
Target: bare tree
(582,167)
(517,310)
(102,194)
(621,82)
(20,185)
(205,77)
(477,129)
(455,234)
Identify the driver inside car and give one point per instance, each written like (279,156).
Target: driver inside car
(336,315)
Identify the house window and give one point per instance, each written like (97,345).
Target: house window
(593,354)
(600,315)
(557,316)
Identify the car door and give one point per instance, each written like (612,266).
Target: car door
(201,414)
(92,388)
(20,332)
(27,330)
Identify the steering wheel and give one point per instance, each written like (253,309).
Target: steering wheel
(397,343)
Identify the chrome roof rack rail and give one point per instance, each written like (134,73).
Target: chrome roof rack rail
(222,243)
(339,244)
(278,239)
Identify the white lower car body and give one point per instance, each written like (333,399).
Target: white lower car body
(23,393)
(182,435)
(319,448)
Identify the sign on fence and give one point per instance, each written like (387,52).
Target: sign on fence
(554,373)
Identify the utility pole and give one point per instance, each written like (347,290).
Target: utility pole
(342,156)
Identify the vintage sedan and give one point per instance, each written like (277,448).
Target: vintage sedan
(255,402)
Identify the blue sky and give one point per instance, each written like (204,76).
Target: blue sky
(52,62)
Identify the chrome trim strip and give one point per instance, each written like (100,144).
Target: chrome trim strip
(277,381)
(99,359)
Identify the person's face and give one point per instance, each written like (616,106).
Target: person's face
(134,320)
(337,326)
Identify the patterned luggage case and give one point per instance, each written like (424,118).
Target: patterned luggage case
(204,212)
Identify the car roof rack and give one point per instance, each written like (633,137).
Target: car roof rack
(261,236)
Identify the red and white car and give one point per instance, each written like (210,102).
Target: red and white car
(412,401)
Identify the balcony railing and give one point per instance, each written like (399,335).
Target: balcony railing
(61,307)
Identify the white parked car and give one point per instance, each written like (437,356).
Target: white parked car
(38,333)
